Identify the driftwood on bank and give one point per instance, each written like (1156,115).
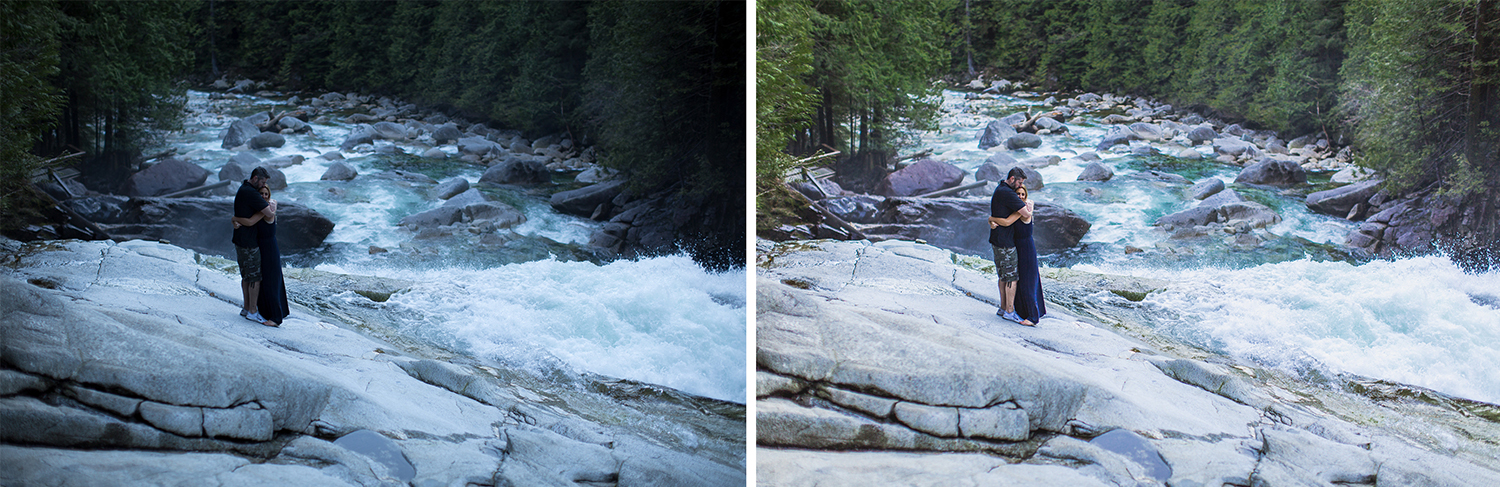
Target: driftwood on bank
(955,189)
(838,222)
(199,189)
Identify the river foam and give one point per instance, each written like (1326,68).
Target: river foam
(1419,321)
(661,320)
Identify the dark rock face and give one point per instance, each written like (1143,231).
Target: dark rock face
(1339,201)
(923,177)
(1273,172)
(167,176)
(666,223)
(962,225)
(1423,222)
(200,224)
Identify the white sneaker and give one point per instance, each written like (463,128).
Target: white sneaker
(255,317)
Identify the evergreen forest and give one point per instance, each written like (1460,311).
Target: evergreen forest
(1409,85)
(657,88)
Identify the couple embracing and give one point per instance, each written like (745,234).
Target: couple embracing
(256,251)
(1015,252)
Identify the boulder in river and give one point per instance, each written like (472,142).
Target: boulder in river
(238,134)
(166,176)
(362,134)
(339,171)
(267,140)
(516,170)
(451,187)
(995,134)
(1096,172)
(390,131)
(1273,172)
(1023,141)
(446,133)
(924,176)
(1338,201)
(1205,188)
(583,201)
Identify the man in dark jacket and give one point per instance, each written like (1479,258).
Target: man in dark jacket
(247,202)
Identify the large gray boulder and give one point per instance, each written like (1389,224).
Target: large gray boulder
(339,171)
(197,223)
(1232,146)
(961,225)
(362,134)
(995,134)
(446,133)
(1116,135)
(167,176)
(1201,134)
(517,170)
(390,131)
(478,146)
(1338,201)
(450,187)
(583,201)
(1226,207)
(925,176)
(1205,188)
(238,134)
(1273,172)
(1096,172)
(267,140)
(1023,141)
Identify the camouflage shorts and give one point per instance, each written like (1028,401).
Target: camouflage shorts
(1006,264)
(249,260)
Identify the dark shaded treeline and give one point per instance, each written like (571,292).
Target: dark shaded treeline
(656,87)
(1409,84)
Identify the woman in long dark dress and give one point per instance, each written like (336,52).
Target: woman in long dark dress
(272,301)
(1029,304)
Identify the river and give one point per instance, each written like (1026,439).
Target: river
(1297,302)
(537,300)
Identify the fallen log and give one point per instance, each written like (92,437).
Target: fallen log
(955,189)
(199,189)
(838,222)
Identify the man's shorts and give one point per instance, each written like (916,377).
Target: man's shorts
(249,259)
(1006,264)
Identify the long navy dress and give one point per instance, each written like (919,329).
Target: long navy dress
(272,301)
(1029,302)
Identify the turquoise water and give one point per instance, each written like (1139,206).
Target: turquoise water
(1296,301)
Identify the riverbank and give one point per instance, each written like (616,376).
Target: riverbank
(885,361)
(128,360)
